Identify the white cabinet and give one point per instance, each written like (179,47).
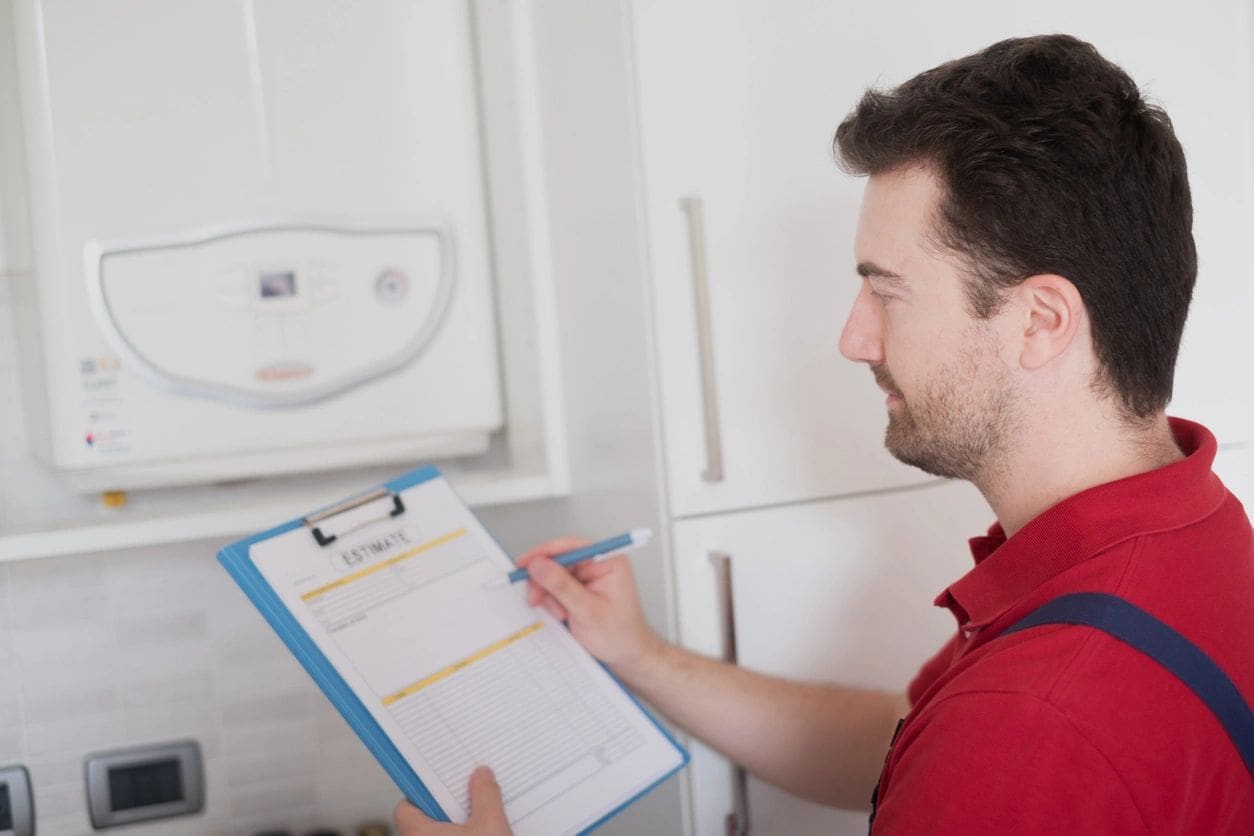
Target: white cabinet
(738,104)
(737,115)
(837,591)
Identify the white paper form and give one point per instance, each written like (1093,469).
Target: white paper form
(459,675)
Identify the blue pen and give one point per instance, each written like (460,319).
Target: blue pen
(633,539)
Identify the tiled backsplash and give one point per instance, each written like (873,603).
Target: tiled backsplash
(100,651)
(157,644)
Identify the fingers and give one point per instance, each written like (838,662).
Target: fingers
(560,590)
(487,811)
(558,611)
(585,573)
(410,821)
(592,570)
(551,548)
(561,584)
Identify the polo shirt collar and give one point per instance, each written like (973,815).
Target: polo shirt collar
(1077,528)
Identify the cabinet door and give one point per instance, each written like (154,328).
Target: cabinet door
(836,591)
(737,107)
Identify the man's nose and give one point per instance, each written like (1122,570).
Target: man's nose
(861,340)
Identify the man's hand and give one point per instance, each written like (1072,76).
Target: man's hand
(487,813)
(597,598)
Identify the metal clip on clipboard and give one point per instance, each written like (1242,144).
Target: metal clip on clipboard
(353,521)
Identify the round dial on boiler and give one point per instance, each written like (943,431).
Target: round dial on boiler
(391,286)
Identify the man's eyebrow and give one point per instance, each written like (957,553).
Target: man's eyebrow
(868,269)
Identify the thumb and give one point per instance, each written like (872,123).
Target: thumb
(486,808)
(561,584)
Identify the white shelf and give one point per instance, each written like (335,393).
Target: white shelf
(230,511)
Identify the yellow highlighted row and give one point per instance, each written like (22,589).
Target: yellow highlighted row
(391,561)
(456,666)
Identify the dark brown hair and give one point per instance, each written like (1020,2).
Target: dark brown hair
(1051,162)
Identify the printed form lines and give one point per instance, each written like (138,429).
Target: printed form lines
(346,605)
(527,710)
(462,663)
(383,564)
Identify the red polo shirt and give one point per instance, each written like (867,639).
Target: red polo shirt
(1066,730)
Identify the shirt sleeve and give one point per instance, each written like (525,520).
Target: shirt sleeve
(997,763)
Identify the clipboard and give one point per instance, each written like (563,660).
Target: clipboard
(338,526)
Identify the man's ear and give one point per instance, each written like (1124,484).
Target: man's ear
(1051,313)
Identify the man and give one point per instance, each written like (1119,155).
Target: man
(1027,261)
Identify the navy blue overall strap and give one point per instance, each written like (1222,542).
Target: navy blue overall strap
(1136,627)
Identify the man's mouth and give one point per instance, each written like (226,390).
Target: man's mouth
(884,381)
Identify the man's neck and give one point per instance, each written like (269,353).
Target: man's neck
(1061,460)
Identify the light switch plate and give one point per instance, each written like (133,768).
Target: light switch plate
(15,784)
(126,786)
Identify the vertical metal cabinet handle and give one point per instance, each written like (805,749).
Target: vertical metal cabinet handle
(737,822)
(726,608)
(691,207)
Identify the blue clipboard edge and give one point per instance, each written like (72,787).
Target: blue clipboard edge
(235,559)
